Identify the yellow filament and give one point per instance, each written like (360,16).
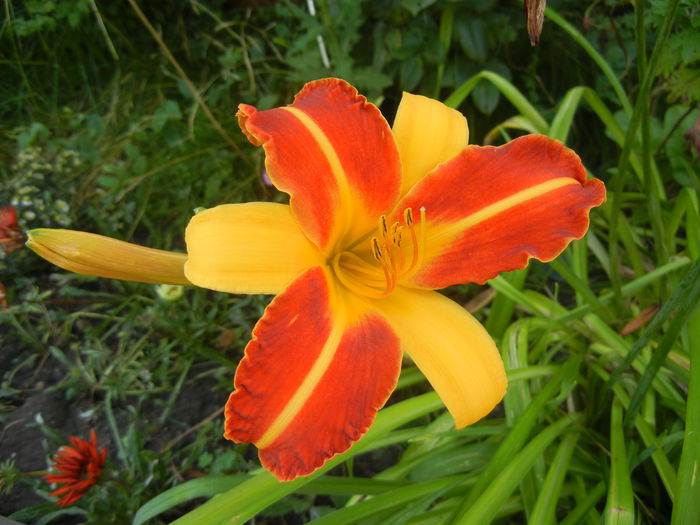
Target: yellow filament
(387,254)
(385,260)
(397,230)
(417,241)
(421,239)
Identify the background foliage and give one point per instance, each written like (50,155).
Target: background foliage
(122,123)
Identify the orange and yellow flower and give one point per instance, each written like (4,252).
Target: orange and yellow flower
(79,466)
(378,218)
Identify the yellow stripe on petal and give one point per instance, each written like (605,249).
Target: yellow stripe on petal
(427,133)
(255,247)
(334,154)
(442,234)
(309,384)
(451,348)
(313,377)
(92,254)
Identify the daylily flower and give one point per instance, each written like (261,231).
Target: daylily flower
(79,466)
(378,218)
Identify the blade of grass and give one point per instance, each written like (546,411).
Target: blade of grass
(194,488)
(663,466)
(508,90)
(503,306)
(561,123)
(581,287)
(597,57)
(389,500)
(684,300)
(577,515)
(486,506)
(519,433)
(687,507)
(619,508)
(247,499)
(651,180)
(628,289)
(617,183)
(185,78)
(445,38)
(546,505)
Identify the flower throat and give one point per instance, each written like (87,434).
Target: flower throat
(388,248)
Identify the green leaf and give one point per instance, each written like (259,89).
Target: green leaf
(471,35)
(411,72)
(683,301)
(519,434)
(619,508)
(416,6)
(687,507)
(195,488)
(250,497)
(544,512)
(508,90)
(490,500)
(561,123)
(429,490)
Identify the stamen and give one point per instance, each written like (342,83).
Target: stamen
(396,236)
(382,224)
(386,262)
(417,241)
(377,251)
(421,237)
(388,252)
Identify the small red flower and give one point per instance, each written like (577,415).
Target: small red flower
(11,238)
(80,467)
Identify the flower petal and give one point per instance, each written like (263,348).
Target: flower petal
(92,254)
(488,210)
(451,348)
(427,133)
(334,153)
(313,377)
(256,247)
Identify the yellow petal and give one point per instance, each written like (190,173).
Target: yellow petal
(91,254)
(451,348)
(256,247)
(427,133)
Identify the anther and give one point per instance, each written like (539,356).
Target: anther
(377,251)
(396,234)
(417,241)
(387,267)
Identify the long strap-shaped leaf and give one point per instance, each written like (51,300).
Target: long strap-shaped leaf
(683,301)
(245,500)
(687,507)
(488,504)
(518,435)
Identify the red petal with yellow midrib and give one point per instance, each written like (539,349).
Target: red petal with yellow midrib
(287,342)
(483,178)
(337,192)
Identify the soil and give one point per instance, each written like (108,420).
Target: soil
(35,398)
